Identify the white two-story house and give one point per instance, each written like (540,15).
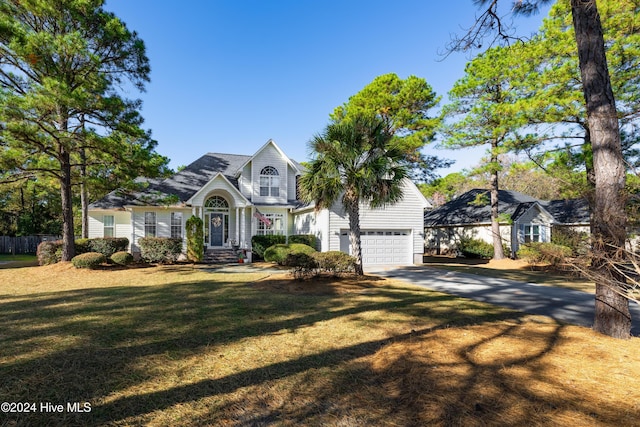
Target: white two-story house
(239,196)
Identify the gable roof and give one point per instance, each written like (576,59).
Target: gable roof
(464,210)
(295,165)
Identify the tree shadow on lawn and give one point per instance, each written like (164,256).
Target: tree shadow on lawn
(93,344)
(438,376)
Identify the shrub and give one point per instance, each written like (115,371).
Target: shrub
(49,252)
(302,264)
(259,244)
(475,248)
(542,252)
(195,239)
(160,249)
(122,258)
(578,241)
(315,263)
(107,246)
(88,260)
(335,262)
(278,253)
(82,246)
(305,239)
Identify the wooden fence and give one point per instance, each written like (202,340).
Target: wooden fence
(22,244)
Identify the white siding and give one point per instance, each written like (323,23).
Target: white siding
(316,223)
(270,156)
(408,214)
(122,223)
(291,185)
(163,223)
(245,181)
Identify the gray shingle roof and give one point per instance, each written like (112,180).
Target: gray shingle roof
(574,211)
(182,185)
(464,211)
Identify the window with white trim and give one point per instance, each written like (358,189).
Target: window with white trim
(272,223)
(217,203)
(269,182)
(531,233)
(150,224)
(176,225)
(109,226)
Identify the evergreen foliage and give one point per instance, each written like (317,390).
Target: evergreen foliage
(61,66)
(403,108)
(279,253)
(354,161)
(122,258)
(160,249)
(195,239)
(49,252)
(475,248)
(88,260)
(260,243)
(307,239)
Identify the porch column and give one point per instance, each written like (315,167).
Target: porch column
(243,234)
(238,225)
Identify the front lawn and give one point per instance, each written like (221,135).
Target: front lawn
(191,346)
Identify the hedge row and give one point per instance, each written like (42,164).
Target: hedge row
(106,246)
(476,248)
(259,244)
(306,265)
(160,249)
(95,259)
(305,239)
(50,252)
(279,253)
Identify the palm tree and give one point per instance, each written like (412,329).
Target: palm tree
(354,159)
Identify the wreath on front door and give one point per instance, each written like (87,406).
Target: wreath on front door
(217,222)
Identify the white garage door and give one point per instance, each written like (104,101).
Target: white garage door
(388,247)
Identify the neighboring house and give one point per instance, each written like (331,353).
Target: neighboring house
(522,218)
(240,196)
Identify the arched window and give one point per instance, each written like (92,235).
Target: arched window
(217,203)
(269,182)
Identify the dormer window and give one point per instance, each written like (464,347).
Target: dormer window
(269,182)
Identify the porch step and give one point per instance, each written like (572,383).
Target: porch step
(220,256)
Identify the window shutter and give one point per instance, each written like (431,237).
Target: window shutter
(520,233)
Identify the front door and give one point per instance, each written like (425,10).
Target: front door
(216,229)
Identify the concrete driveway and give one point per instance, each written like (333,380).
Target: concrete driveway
(564,305)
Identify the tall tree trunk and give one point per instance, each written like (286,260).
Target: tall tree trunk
(612,315)
(498,252)
(84,198)
(590,195)
(68,246)
(352,206)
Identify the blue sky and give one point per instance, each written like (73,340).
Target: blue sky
(226,76)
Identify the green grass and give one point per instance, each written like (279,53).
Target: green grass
(187,346)
(13,261)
